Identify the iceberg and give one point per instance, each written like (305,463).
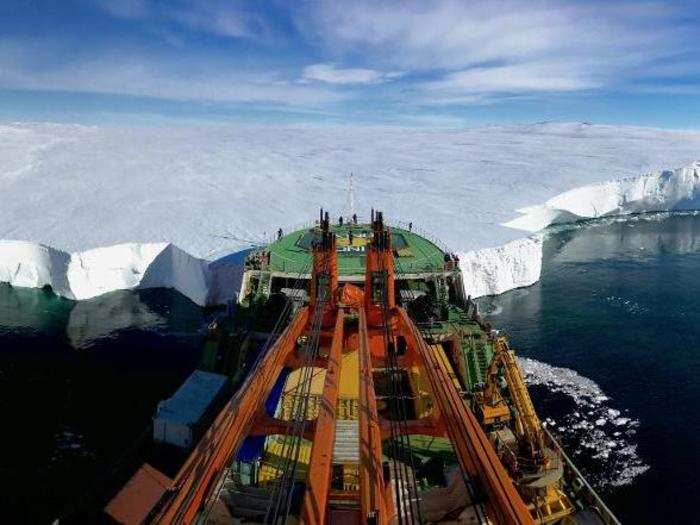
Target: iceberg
(518,263)
(102,208)
(492,271)
(657,191)
(88,274)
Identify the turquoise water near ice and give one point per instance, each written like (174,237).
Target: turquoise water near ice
(610,338)
(79,382)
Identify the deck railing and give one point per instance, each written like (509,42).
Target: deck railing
(583,490)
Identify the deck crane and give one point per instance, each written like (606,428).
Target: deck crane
(540,471)
(355,326)
(527,422)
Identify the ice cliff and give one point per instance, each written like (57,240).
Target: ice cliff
(491,271)
(83,275)
(184,196)
(487,271)
(665,190)
(518,263)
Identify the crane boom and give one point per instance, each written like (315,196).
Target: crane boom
(529,422)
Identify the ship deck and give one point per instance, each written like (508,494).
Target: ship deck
(415,254)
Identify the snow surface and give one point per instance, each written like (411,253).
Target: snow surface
(662,190)
(168,204)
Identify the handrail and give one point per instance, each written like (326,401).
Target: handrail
(361,219)
(605,513)
(475,452)
(196,479)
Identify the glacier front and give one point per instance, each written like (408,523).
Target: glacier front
(518,263)
(168,205)
(88,274)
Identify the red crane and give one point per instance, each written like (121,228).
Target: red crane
(326,317)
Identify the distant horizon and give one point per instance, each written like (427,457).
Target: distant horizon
(442,64)
(190,116)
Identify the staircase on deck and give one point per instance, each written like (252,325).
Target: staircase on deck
(346,447)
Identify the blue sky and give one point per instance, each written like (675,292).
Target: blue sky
(442,63)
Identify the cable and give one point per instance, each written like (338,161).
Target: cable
(280,503)
(271,339)
(473,491)
(300,408)
(399,428)
(281,500)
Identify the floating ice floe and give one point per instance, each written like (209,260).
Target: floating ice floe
(596,434)
(628,305)
(69,443)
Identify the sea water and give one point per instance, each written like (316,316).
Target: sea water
(79,382)
(609,340)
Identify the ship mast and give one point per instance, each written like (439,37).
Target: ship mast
(351,196)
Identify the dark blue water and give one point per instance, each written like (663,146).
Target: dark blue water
(619,304)
(610,337)
(79,382)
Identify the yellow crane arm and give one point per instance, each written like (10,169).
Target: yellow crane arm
(532,428)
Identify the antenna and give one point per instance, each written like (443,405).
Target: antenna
(351,195)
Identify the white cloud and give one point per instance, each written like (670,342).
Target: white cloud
(448,34)
(512,79)
(510,46)
(122,73)
(222,18)
(331,74)
(404,54)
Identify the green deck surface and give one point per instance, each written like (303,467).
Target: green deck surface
(416,254)
(428,446)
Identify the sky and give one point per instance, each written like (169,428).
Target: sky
(440,63)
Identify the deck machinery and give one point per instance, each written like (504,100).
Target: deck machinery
(375,395)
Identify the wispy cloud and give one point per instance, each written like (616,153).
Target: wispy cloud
(223,18)
(127,9)
(121,74)
(517,78)
(491,48)
(355,56)
(226,20)
(333,75)
(448,34)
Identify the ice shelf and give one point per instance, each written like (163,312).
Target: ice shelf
(100,209)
